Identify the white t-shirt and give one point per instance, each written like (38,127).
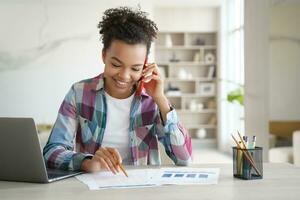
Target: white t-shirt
(116,133)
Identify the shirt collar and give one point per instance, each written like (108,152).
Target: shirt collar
(99,80)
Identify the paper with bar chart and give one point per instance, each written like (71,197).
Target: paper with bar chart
(187,176)
(151,177)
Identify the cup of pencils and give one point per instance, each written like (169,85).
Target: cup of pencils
(247,159)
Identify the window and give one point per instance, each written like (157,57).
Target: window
(232,71)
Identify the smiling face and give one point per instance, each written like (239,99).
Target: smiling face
(123,67)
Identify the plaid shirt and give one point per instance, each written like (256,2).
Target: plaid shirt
(79,128)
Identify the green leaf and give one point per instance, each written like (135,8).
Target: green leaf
(236,95)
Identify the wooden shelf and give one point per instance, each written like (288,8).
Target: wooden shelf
(197,126)
(190,50)
(189,95)
(186,47)
(205,142)
(185,63)
(202,79)
(204,111)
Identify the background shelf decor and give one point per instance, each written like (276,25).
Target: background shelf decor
(188,63)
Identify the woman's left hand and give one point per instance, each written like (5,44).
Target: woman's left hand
(153,83)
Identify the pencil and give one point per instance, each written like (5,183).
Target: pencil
(247,152)
(123,169)
(248,157)
(245,147)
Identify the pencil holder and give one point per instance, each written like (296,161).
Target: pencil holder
(248,163)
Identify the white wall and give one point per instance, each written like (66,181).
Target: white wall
(284,89)
(187,19)
(272,65)
(47,45)
(257,71)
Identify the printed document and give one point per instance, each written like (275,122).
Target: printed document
(150,177)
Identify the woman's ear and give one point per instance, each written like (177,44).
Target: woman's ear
(103,55)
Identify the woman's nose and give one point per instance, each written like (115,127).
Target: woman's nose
(124,74)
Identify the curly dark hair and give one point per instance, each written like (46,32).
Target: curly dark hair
(125,24)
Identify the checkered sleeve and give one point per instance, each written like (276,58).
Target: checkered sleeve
(59,151)
(175,139)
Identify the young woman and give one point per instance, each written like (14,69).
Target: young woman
(103,121)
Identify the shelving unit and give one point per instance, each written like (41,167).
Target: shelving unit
(188,62)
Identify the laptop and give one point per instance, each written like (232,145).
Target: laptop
(21,157)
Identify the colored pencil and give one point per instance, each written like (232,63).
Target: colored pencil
(123,169)
(247,155)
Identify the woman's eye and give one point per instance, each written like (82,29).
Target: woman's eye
(115,65)
(136,69)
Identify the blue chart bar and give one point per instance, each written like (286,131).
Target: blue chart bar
(184,175)
(191,175)
(179,175)
(167,175)
(203,176)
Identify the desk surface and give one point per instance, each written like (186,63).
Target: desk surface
(281,181)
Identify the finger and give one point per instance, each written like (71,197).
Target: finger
(148,70)
(149,67)
(149,64)
(107,160)
(113,160)
(116,154)
(147,74)
(102,162)
(151,71)
(155,69)
(101,156)
(152,77)
(107,153)
(148,79)
(110,165)
(117,157)
(104,151)
(156,77)
(105,165)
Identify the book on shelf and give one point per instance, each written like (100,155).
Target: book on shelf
(173,93)
(211,71)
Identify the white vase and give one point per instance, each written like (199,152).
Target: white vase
(182,74)
(168,41)
(200,106)
(201,133)
(193,105)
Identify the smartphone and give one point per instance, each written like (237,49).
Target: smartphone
(141,85)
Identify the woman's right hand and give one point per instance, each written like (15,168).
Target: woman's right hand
(105,158)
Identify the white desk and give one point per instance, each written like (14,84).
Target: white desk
(281,181)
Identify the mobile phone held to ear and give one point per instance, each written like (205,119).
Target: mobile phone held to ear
(141,85)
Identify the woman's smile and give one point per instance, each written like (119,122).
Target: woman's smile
(121,84)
